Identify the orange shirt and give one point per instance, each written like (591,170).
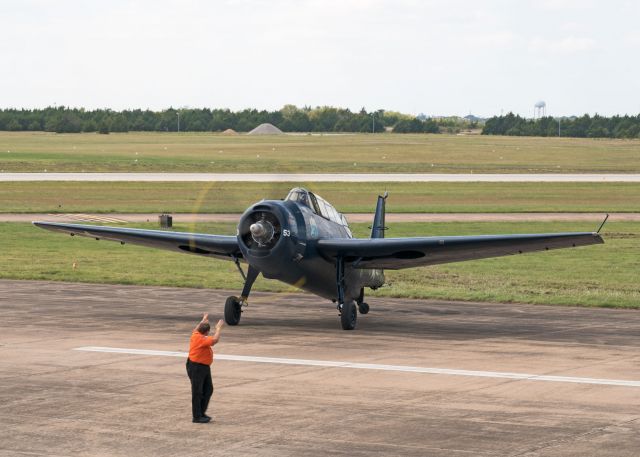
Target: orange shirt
(200,350)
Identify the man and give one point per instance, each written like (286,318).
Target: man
(199,368)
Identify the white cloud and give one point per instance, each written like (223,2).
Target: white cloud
(493,40)
(566,45)
(559,5)
(633,38)
(411,55)
(571,26)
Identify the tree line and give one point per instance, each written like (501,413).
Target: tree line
(580,127)
(289,119)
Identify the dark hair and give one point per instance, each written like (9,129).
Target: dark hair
(204,327)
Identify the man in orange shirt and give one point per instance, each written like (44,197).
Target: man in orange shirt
(199,368)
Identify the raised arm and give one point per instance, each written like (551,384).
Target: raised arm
(204,320)
(216,336)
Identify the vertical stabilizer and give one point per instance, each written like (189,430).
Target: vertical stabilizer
(378,228)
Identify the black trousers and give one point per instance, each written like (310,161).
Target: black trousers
(201,387)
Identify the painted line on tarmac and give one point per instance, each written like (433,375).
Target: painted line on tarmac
(374,366)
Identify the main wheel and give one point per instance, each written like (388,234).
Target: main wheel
(349,316)
(232,311)
(363,308)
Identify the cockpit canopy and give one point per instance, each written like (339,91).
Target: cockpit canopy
(317,204)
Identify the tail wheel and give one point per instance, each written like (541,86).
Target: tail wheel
(349,316)
(363,308)
(232,311)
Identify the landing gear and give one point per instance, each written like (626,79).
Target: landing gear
(232,311)
(348,312)
(363,308)
(233,306)
(348,316)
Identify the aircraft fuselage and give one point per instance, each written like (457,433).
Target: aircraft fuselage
(291,255)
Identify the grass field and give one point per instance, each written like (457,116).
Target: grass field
(385,153)
(181,197)
(601,275)
(591,276)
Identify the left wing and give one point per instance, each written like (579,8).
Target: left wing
(220,246)
(397,253)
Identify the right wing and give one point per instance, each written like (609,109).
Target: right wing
(219,246)
(398,253)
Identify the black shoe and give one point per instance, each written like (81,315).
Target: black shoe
(201,420)
(207,417)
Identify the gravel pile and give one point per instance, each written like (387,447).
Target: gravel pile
(266,129)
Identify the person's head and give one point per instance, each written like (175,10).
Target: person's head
(204,328)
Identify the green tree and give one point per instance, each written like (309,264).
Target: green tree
(89,126)
(14,125)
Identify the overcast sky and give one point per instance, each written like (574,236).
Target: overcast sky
(436,57)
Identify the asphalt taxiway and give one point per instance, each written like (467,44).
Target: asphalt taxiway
(99,370)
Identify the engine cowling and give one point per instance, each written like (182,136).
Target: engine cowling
(264,237)
(260,229)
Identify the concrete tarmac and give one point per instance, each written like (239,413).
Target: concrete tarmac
(58,401)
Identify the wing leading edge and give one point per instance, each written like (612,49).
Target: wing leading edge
(220,246)
(398,253)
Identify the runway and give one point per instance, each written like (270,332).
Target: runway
(99,370)
(321,177)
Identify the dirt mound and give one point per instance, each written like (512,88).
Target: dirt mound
(229,132)
(266,129)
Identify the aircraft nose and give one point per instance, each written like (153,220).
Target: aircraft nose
(258,229)
(262,232)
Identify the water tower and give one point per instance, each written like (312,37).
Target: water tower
(539,109)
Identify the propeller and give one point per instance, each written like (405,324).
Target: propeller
(260,230)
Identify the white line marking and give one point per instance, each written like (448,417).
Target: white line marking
(373,366)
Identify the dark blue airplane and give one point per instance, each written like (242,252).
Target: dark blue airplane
(303,241)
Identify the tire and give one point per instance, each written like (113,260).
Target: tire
(363,308)
(232,311)
(349,316)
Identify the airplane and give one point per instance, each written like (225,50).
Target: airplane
(303,241)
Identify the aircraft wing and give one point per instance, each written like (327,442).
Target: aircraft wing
(398,253)
(220,246)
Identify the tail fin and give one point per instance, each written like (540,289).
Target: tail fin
(378,228)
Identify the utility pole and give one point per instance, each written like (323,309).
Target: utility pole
(178,113)
(373,122)
(558,126)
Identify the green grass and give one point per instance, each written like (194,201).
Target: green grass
(385,153)
(602,275)
(184,197)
